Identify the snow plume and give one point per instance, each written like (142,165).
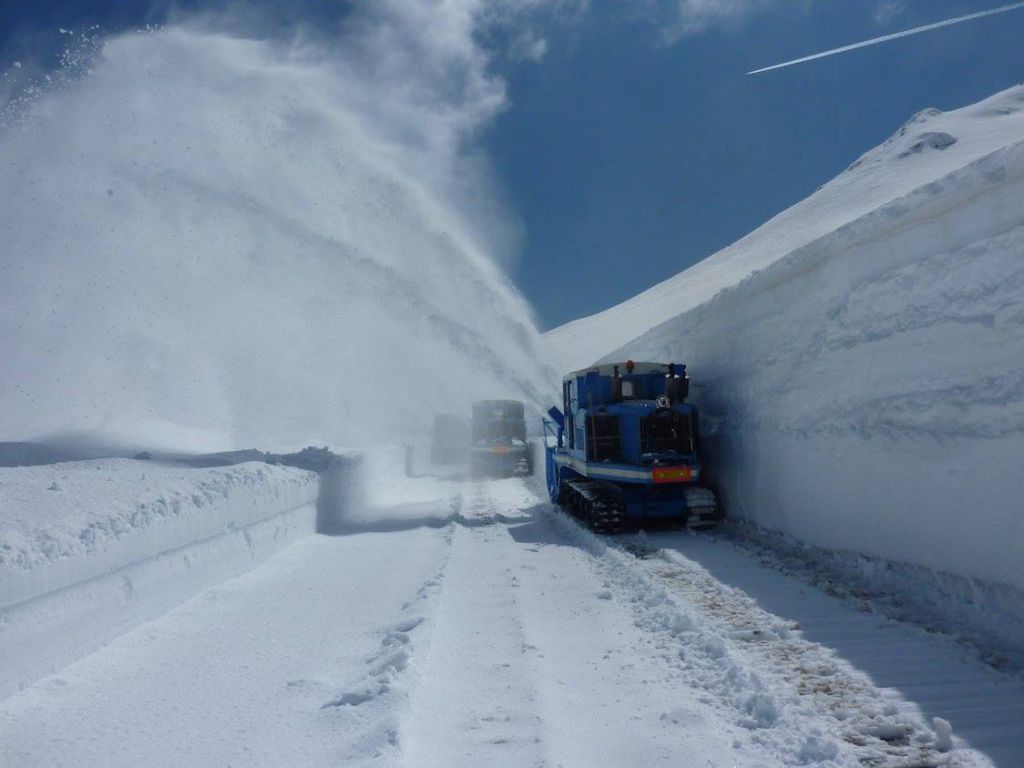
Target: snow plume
(212,241)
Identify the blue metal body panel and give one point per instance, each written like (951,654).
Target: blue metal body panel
(607,431)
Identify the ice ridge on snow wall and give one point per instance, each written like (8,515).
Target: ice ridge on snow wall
(214,242)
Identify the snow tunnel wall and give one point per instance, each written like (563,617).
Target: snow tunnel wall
(90,549)
(866,393)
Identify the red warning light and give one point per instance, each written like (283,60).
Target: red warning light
(630,365)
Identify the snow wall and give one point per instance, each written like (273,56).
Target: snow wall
(90,549)
(866,392)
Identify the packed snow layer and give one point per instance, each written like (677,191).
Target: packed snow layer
(858,359)
(212,242)
(89,549)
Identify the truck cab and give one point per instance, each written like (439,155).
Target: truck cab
(498,439)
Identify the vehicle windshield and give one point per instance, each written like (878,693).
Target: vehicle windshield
(499,431)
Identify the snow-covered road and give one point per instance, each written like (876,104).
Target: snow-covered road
(495,631)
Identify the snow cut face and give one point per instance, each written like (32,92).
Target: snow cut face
(211,242)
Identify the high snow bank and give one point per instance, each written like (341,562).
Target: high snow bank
(930,146)
(65,523)
(90,548)
(210,242)
(863,386)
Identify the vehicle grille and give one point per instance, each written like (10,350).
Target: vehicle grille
(666,431)
(603,438)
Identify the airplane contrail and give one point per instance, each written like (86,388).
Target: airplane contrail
(893,36)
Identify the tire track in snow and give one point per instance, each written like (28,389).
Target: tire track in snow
(795,697)
(474,701)
(884,729)
(931,675)
(607,695)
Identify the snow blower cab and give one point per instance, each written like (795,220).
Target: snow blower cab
(625,448)
(498,440)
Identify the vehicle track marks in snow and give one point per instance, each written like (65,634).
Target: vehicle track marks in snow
(509,636)
(474,701)
(795,697)
(979,616)
(883,729)
(932,674)
(606,695)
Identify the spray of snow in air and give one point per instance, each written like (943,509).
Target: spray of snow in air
(216,242)
(893,36)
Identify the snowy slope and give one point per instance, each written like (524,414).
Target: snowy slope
(859,358)
(920,153)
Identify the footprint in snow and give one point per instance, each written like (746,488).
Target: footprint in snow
(350,700)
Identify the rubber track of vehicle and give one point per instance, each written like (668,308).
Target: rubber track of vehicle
(598,508)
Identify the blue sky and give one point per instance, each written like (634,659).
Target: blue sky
(628,154)
(629,160)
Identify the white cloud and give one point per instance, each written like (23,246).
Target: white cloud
(887,10)
(690,17)
(528,46)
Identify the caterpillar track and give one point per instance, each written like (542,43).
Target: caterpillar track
(597,504)
(702,508)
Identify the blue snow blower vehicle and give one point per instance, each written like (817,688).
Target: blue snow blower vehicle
(626,450)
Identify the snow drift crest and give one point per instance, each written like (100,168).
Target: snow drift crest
(212,241)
